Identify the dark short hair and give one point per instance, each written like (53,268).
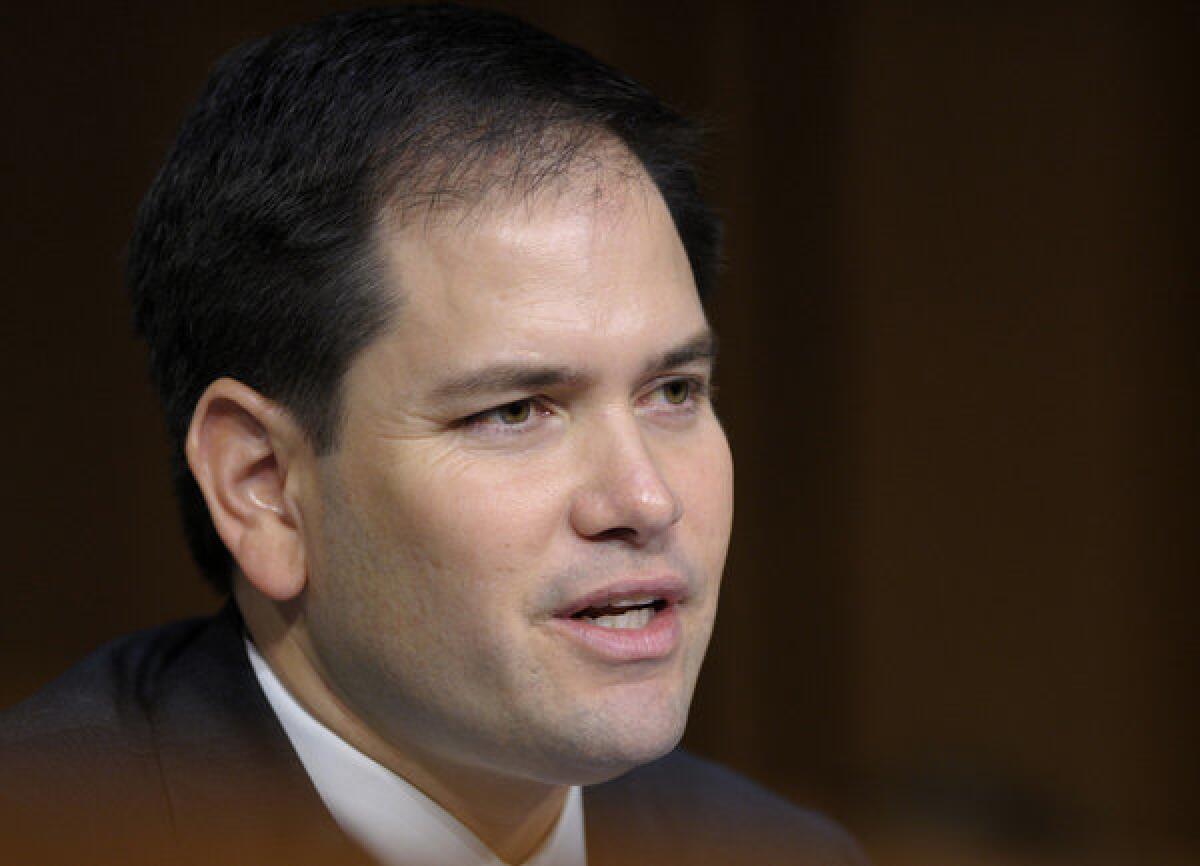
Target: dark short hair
(252,251)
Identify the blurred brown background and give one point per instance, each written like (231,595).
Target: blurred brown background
(959,374)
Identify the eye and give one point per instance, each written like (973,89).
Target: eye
(513,413)
(518,416)
(683,392)
(677,391)
(676,400)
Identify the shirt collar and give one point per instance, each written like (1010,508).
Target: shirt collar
(383,812)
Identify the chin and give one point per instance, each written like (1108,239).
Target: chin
(618,739)
(633,757)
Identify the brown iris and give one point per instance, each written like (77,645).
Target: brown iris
(514,413)
(677,392)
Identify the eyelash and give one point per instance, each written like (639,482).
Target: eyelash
(698,389)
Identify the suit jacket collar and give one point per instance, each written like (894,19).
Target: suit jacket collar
(236,789)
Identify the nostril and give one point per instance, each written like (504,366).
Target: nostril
(617,533)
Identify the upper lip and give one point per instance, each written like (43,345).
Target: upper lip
(669,588)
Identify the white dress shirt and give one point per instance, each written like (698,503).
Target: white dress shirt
(393,821)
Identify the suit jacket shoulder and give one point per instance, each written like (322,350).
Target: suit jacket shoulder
(160,747)
(79,756)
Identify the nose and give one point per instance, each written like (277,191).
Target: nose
(625,495)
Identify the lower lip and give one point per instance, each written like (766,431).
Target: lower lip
(656,640)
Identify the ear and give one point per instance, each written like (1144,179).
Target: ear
(240,448)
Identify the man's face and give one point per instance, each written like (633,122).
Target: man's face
(530,444)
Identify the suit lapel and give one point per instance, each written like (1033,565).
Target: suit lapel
(237,791)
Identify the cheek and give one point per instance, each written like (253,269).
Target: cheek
(704,479)
(465,531)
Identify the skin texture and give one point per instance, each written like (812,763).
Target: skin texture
(404,586)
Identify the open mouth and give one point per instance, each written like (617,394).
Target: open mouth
(627,622)
(632,613)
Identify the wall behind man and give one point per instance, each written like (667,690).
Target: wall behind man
(959,374)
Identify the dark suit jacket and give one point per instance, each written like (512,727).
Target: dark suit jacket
(161,748)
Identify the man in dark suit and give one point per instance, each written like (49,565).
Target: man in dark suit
(421,288)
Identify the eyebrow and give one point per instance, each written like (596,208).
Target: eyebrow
(515,376)
(702,347)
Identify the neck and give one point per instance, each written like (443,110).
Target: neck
(512,816)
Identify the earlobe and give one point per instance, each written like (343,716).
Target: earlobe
(239,447)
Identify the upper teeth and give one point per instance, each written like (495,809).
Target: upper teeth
(632,619)
(634,602)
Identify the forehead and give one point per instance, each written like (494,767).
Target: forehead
(576,264)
